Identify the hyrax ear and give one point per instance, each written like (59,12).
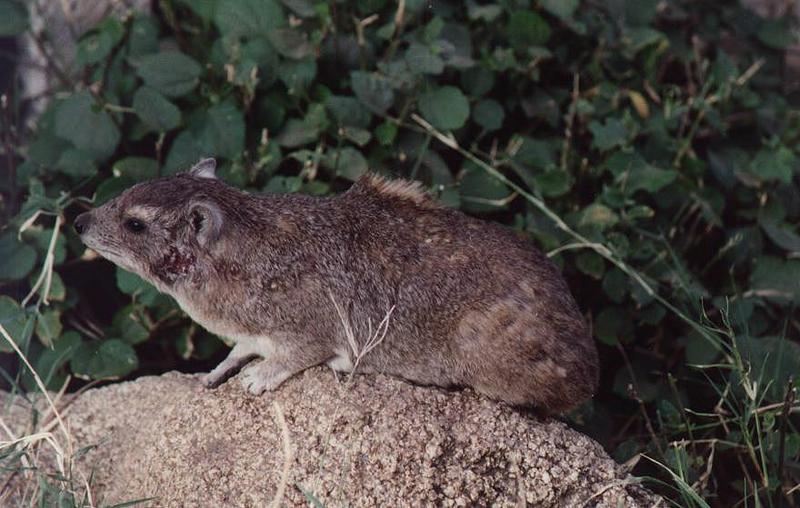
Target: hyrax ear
(206,221)
(205,168)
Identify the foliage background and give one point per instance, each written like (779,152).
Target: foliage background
(663,134)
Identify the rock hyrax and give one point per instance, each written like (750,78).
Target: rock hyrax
(380,278)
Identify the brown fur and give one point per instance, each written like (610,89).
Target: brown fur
(473,304)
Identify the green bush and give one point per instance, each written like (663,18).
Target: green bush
(650,147)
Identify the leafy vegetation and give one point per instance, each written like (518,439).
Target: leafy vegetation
(650,147)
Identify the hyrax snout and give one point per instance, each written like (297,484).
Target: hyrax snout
(381,278)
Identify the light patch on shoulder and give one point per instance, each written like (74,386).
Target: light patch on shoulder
(143,212)
(398,188)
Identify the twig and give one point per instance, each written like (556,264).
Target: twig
(635,389)
(573,109)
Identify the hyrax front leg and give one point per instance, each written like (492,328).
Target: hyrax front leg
(242,353)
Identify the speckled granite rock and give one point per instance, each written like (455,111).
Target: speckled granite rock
(374,442)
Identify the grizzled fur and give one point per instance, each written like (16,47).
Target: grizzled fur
(470,303)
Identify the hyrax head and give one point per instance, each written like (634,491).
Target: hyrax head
(160,229)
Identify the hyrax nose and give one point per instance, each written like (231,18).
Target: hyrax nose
(83,222)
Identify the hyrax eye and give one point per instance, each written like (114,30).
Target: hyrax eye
(134,225)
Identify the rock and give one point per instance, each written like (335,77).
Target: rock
(375,441)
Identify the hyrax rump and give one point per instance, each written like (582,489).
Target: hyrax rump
(380,276)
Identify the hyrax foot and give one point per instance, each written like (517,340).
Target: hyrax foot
(263,376)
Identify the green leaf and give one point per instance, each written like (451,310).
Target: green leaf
(93,48)
(591,264)
(13,18)
(51,360)
(77,164)
(111,188)
(480,191)
(283,185)
(598,215)
(373,90)
(298,74)
(553,182)
(773,360)
(533,152)
(90,130)
(642,37)
(477,81)
(608,135)
(776,279)
(303,8)
(421,60)
(527,28)
(48,326)
(358,136)
(777,33)
(47,149)
(291,43)
(248,18)
(347,162)
(203,8)
(185,151)
(782,235)
(385,133)
(126,327)
(298,132)
(348,111)
(563,9)
(16,259)
(110,359)
(170,72)
(58,291)
(699,351)
(615,285)
(130,283)
(487,13)
(137,169)
(446,108)
(639,13)
(14,320)
(723,165)
(612,326)
(650,179)
(143,38)
(42,237)
(640,212)
(223,130)
(155,110)
(489,114)
(633,173)
(770,164)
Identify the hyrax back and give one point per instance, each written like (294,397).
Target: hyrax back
(380,277)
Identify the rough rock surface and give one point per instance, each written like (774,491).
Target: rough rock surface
(375,441)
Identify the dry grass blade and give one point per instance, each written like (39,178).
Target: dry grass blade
(374,337)
(44,391)
(46,275)
(288,455)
